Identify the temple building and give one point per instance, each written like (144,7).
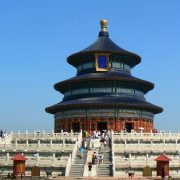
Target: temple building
(104,94)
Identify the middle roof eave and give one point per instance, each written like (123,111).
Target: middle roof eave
(108,76)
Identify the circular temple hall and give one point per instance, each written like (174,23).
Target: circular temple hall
(104,95)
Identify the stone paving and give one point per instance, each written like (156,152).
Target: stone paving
(106,178)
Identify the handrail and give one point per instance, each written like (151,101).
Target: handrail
(73,155)
(147,136)
(112,152)
(68,166)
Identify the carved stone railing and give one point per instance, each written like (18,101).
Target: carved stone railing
(74,151)
(7,139)
(147,136)
(112,153)
(68,166)
(44,136)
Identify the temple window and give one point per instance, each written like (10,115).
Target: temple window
(102,65)
(87,65)
(102,61)
(117,91)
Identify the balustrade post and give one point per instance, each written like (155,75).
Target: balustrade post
(161,134)
(164,142)
(132,134)
(151,134)
(26,145)
(138,145)
(50,145)
(151,145)
(52,133)
(7,158)
(4,146)
(63,142)
(176,144)
(34,133)
(130,160)
(147,157)
(169,133)
(43,133)
(38,145)
(71,133)
(37,159)
(53,159)
(18,134)
(125,145)
(68,165)
(26,132)
(62,133)
(15,145)
(121,134)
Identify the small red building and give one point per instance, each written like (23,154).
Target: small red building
(162,165)
(19,167)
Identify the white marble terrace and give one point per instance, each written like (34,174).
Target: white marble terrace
(50,151)
(56,151)
(136,150)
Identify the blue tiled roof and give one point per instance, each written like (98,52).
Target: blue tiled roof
(105,102)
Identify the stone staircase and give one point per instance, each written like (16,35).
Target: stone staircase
(77,168)
(105,169)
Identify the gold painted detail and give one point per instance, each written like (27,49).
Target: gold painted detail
(103,23)
(107,62)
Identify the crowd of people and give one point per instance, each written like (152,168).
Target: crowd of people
(103,136)
(97,158)
(89,143)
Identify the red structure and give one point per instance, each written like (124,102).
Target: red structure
(162,165)
(19,166)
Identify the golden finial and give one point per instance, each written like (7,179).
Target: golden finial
(103,23)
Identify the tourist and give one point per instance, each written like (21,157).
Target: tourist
(94,134)
(1,133)
(89,169)
(98,134)
(81,150)
(102,143)
(105,142)
(84,133)
(92,143)
(100,157)
(84,144)
(94,158)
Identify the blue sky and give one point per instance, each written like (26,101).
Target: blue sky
(36,37)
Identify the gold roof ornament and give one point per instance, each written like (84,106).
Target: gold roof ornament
(103,23)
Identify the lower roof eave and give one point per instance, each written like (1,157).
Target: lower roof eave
(61,107)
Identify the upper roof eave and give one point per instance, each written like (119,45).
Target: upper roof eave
(105,45)
(75,55)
